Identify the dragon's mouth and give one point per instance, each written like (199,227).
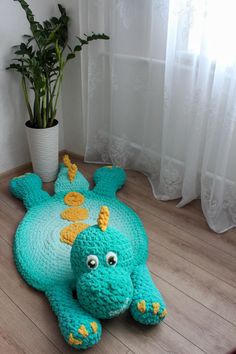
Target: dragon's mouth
(121,309)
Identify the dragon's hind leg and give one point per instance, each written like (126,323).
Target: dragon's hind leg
(148,306)
(108,180)
(79,329)
(28,187)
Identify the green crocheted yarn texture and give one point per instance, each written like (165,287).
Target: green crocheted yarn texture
(89,269)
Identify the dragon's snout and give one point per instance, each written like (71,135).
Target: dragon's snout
(105,293)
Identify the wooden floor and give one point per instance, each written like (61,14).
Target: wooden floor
(194,268)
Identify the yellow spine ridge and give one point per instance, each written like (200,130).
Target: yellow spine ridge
(69,233)
(66,160)
(74,199)
(74,214)
(72,172)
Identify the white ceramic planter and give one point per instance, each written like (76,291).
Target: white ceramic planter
(43,145)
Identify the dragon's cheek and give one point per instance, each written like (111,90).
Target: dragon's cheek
(105,294)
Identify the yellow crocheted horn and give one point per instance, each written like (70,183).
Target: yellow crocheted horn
(66,161)
(103,218)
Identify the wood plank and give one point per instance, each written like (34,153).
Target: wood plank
(150,339)
(9,220)
(195,322)
(198,326)
(212,293)
(186,219)
(8,198)
(18,334)
(209,258)
(35,305)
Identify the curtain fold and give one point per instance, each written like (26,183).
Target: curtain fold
(159,97)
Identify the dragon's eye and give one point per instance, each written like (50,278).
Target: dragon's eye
(111,259)
(92,261)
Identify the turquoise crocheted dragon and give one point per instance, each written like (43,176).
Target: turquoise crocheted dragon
(87,252)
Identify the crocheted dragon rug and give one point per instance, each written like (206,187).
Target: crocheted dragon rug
(86,251)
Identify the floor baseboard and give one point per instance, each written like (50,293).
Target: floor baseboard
(16,170)
(28,166)
(74,155)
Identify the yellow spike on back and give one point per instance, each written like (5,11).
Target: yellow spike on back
(72,172)
(103,218)
(66,161)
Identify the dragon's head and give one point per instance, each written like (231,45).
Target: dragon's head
(102,261)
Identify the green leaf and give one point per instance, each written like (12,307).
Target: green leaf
(104,36)
(70,56)
(47,24)
(82,41)
(62,9)
(54,20)
(77,48)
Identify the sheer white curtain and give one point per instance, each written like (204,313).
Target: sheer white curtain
(160,97)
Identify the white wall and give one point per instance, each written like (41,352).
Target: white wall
(13,145)
(71,89)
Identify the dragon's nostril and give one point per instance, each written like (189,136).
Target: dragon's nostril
(94,290)
(111,286)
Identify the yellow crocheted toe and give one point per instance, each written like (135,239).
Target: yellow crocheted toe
(156,307)
(74,214)
(94,326)
(141,305)
(69,233)
(83,331)
(163,314)
(74,341)
(73,199)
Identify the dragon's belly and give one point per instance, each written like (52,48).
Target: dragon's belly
(44,260)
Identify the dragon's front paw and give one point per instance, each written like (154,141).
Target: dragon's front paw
(82,336)
(148,312)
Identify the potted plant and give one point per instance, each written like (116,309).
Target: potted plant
(41,59)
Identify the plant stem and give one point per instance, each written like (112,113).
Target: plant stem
(47,98)
(44,107)
(25,92)
(57,95)
(37,113)
(53,92)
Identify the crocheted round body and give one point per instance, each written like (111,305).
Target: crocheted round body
(43,258)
